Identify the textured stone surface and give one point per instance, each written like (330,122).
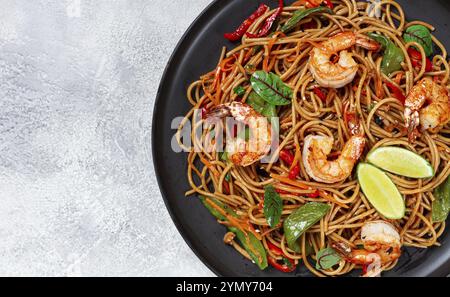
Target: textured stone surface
(78,195)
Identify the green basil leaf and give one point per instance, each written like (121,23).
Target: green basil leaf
(255,101)
(327,258)
(441,205)
(300,14)
(301,220)
(422,36)
(381,39)
(273,206)
(271,88)
(253,246)
(269,111)
(393,55)
(392,60)
(261,106)
(239,90)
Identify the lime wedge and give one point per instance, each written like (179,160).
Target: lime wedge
(380,191)
(400,161)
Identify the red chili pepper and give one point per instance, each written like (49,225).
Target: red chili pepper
(282,267)
(240,31)
(314,194)
(226,187)
(329,4)
(396,92)
(349,117)
(269,22)
(318,91)
(282,191)
(293,173)
(287,157)
(261,204)
(416,59)
(277,251)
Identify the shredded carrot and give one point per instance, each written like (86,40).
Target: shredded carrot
(238,223)
(398,78)
(379,86)
(210,167)
(270,44)
(296,157)
(289,181)
(324,195)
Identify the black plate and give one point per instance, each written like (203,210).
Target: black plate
(197,53)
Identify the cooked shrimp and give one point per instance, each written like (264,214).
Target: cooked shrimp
(381,242)
(435,114)
(330,75)
(240,151)
(316,149)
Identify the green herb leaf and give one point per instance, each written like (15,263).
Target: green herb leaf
(441,205)
(273,206)
(261,106)
(300,14)
(239,90)
(393,55)
(327,258)
(301,220)
(287,263)
(421,35)
(271,88)
(253,246)
(228,177)
(255,101)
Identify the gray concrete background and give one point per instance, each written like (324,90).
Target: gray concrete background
(78,195)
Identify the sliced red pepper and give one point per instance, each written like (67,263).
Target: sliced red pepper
(277,251)
(240,31)
(287,157)
(226,187)
(329,4)
(348,116)
(269,22)
(314,194)
(396,92)
(261,203)
(416,59)
(293,173)
(279,191)
(282,267)
(322,96)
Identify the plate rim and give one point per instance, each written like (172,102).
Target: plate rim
(433,270)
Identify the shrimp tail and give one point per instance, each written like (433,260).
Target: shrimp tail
(367,43)
(218,112)
(412,121)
